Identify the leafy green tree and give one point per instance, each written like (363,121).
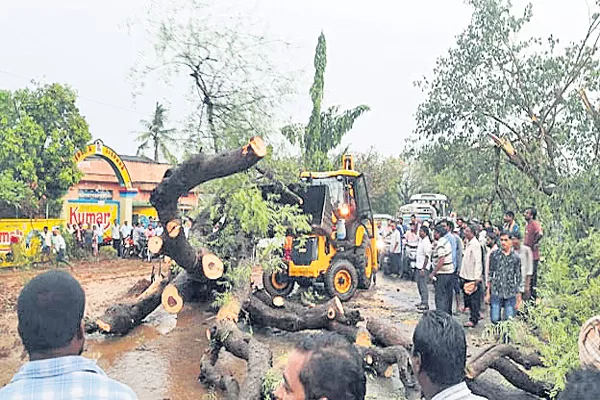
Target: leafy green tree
(384,177)
(522,92)
(156,136)
(40,131)
(325,129)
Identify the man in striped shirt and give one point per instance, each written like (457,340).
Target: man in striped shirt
(443,272)
(50,312)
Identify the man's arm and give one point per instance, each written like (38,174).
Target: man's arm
(477,253)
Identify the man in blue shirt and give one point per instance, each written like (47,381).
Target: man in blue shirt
(50,312)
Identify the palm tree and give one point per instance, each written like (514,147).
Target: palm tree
(156,136)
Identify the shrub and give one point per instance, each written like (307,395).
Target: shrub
(569,293)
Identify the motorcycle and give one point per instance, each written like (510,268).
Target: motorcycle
(411,259)
(129,250)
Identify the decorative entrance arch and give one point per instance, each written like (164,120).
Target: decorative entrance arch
(89,209)
(99,149)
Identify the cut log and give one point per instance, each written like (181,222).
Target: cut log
(520,379)
(119,319)
(278,301)
(258,356)
(379,359)
(387,334)
(155,244)
(178,292)
(212,266)
(173,228)
(316,318)
(180,180)
(484,360)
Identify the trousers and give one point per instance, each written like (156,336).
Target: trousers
(444,292)
(497,303)
(473,302)
(422,280)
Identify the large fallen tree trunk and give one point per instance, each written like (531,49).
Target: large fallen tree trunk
(506,360)
(387,334)
(119,319)
(502,358)
(178,182)
(318,317)
(225,334)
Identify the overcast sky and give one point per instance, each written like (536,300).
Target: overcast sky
(376,50)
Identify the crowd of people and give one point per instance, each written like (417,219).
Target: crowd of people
(471,263)
(127,240)
(325,366)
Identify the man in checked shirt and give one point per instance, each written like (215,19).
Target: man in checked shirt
(50,312)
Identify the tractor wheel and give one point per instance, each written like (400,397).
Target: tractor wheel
(364,261)
(278,283)
(341,279)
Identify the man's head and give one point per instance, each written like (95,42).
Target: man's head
(413,218)
(449,225)
(413,227)
(115,222)
(45,229)
(530,213)
(469,232)
(392,225)
(323,366)
(505,241)
(460,222)
(582,385)
(515,238)
(50,312)
(490,238)
(509,217)
(440,231)
(125,223)
(439,352)
(423,232)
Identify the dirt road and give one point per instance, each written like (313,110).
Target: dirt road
(160,359)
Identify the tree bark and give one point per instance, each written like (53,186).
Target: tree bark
(180,180)
(480,363)
(119,319)
(258,356)
(183,289)
(388,335)
(382,360)
(318,317)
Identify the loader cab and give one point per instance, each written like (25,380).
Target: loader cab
(347,192)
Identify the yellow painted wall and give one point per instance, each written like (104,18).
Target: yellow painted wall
(89,212)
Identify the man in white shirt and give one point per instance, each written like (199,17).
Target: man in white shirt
(159,229)
(395,250)
(60,246)
(443,271)
(439,356)
(526,255)
(116,237)
(471,275)
(423,259)
(125,230)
